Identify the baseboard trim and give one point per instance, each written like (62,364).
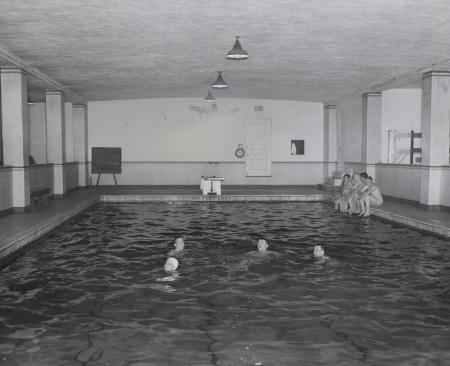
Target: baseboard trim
(402,200)
(430,207)
(21,209)
(6,212)
(444,208)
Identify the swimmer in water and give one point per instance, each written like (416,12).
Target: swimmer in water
(262,245)
(253,257)
(170,267)
(179,247)
(319,252)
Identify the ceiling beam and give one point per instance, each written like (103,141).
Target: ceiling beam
(47,80)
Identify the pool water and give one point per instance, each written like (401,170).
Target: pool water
(91,293)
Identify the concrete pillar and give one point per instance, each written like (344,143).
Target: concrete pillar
(16,134)
(371,131)
(80,142)
(54,103)
(330,141)
(435,128)
(68,131)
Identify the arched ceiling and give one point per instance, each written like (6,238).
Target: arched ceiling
(314,50)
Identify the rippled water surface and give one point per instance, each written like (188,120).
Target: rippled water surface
(90,293)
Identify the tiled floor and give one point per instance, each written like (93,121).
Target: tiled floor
(18,230)
(438,217)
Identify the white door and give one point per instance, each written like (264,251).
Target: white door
(259,157)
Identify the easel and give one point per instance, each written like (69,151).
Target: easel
(114,176)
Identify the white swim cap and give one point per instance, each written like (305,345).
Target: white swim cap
(318,251)
(171,264)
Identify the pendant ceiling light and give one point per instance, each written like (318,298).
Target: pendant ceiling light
(220,83)
(30,101)
(209,97)
(237,53)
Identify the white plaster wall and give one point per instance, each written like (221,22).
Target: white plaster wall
(349,118)
(5,189)
(38,134)
(189,173)
(401,111)
(170,130)
(401,181)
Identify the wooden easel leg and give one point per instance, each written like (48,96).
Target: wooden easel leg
(115,180)
(98,179)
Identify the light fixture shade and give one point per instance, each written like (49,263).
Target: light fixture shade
(220,83)
(30,101)
(237,53)
(209,97)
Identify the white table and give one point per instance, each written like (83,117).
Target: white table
(211,185)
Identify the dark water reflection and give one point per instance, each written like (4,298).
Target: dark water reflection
(89,295)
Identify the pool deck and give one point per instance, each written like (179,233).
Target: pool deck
(18,230)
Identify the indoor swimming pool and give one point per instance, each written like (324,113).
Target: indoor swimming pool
(91,292)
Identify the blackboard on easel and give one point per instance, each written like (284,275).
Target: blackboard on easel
(106,160)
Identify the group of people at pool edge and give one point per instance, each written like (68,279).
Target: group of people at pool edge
(171,264)
(358,194)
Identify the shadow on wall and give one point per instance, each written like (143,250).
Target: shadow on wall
(214,109)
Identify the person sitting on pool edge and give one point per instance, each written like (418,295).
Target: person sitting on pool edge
(179,247)
(341,202)
(358,186)
(357,194)
(371,198)
(355,186)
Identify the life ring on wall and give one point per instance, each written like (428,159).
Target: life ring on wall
(239,152)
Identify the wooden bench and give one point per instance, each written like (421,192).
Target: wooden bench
(39,196)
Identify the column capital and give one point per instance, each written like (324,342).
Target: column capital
(53,92)
(436,73)
(329,106)
(11,70)
(371,94)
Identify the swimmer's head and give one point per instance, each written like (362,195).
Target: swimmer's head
(171,264)
(318,251)
(262,245)
(179,244)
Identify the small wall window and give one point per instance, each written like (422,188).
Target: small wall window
(297,147)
